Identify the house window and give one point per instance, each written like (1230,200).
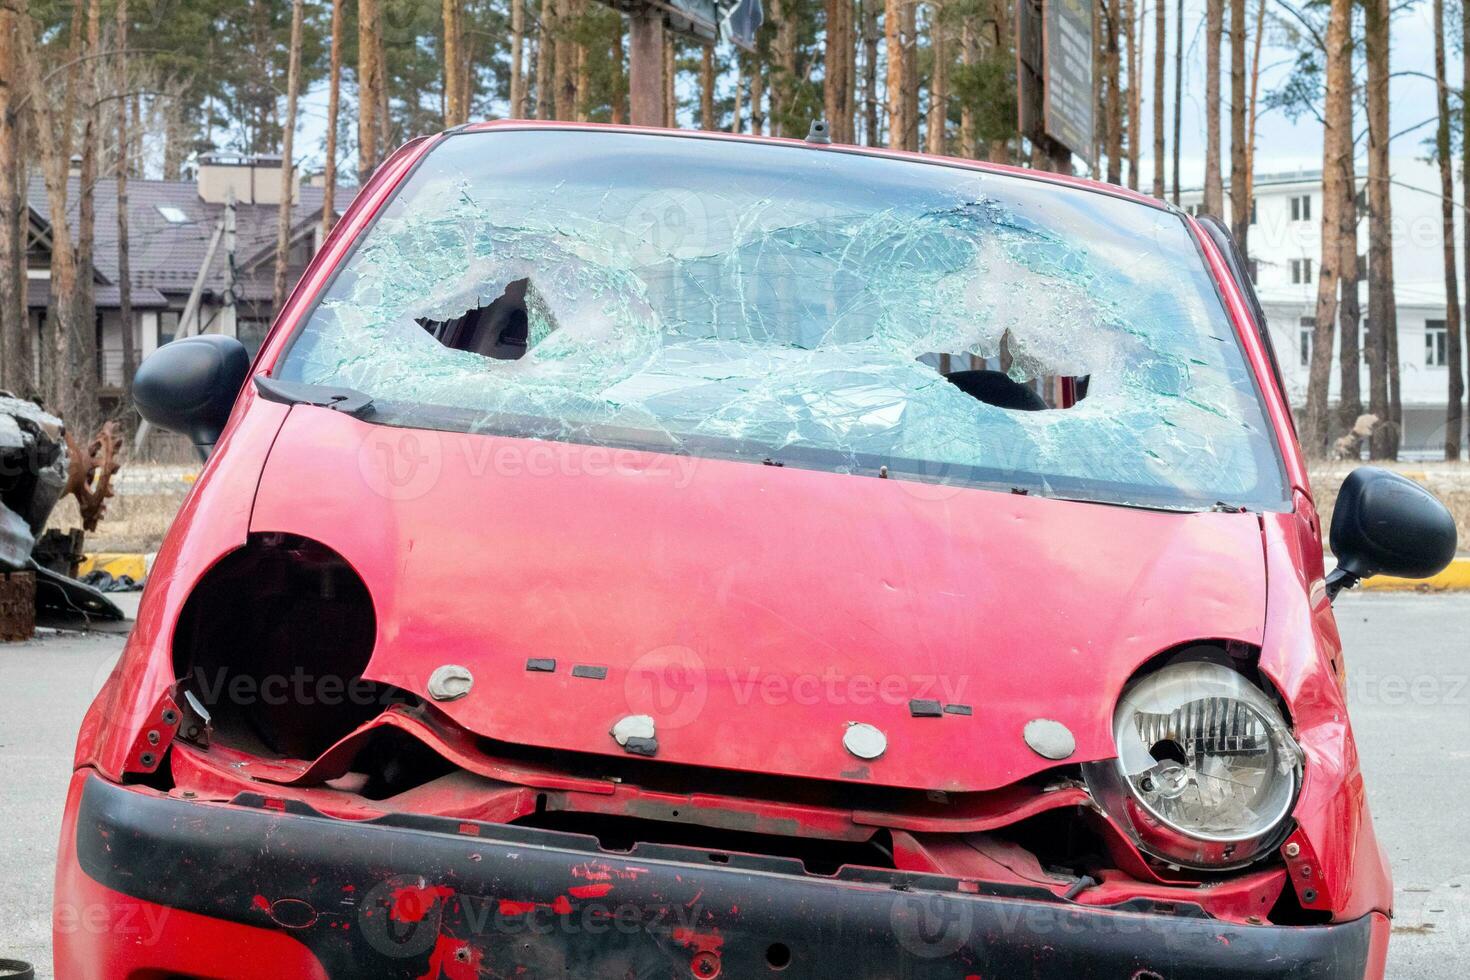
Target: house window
(1253,210)
(1301,271)
(1301,208)
(1436,340)
(1304,338)
(168,325)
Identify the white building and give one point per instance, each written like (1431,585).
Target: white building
(1285,248)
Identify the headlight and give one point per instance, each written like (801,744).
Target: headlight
(1206,771)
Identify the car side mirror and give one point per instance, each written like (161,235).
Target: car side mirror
(1386,524)
(189,386)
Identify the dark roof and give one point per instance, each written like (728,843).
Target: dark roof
(165,256)
(38,296)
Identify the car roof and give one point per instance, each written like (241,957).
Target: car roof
(1063,180)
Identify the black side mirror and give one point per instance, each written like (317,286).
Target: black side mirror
(189,386)
(1386,524)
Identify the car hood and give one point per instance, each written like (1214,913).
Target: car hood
(754,613)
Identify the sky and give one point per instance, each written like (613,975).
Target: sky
(1282,144)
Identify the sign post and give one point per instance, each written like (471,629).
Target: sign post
(700,20)
(1054,45)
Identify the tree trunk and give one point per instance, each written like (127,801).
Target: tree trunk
(893,47)
(124,263)
(1160,42)
(1252,115)
(83,369)
(967,110)
(1214,202)
(334,104)
(910,36)
(1455,395)
(583,80)
(369,80)
(16,357)
(619,76)
(52,147)
(938,125)
(1240,205)
(1130,36)
(757,96)
(565,69)
(288,170)
(671,70)
(454,113)
(518,58)
(783,77)
(1349,357)
(1112,71)
(1337,142)
(546,61)
(1464,162)
(838,70)
(1178,90)
(707,87)
(871,132)
(1381,303)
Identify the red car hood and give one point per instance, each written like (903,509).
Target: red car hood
(754,612)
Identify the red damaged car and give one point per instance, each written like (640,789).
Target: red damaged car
(675,555)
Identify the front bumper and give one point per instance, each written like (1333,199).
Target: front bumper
(408,896)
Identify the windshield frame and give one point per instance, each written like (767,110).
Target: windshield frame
(275,350)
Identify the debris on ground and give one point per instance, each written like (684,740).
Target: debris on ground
(40,462)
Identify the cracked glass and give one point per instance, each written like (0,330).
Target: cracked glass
(797,306)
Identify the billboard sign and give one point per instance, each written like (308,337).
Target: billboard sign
(1067,43)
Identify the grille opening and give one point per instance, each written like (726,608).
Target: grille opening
(1063,841)
(391,761)
(818,856)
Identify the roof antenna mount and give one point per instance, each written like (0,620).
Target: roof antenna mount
(819,134)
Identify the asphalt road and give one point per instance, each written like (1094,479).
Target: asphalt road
(1408,657)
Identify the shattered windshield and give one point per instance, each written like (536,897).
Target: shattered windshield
(799,307)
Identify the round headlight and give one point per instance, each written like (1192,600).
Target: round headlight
(1206,771)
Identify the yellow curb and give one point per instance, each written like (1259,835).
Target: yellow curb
(135,566)
(1455,578)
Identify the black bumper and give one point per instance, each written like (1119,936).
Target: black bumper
(417,897)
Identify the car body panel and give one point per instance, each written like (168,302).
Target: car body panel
(789,602)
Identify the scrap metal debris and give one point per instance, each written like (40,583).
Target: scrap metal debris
(39,464)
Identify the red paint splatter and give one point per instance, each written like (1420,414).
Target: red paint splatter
(590,891)
(704,942)
(508,907)
(453,959)
(412,902)
(262,903)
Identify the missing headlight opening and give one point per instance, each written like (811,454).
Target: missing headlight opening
(273,642)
